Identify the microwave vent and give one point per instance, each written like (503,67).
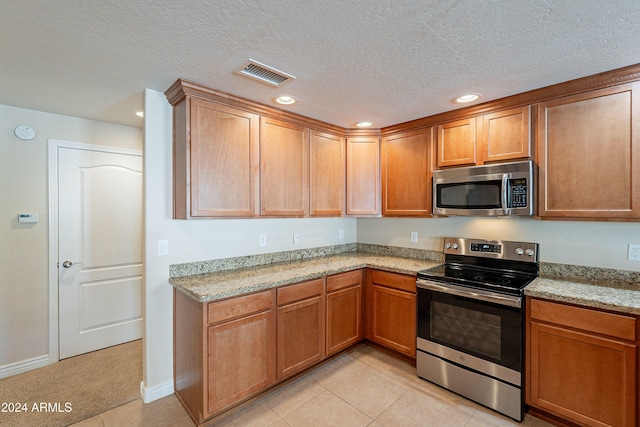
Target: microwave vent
(264,73)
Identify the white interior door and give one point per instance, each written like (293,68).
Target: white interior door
(100,254)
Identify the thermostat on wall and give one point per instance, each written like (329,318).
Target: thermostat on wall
(24,132)
(28,218)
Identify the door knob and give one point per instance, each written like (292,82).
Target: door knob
(67,264)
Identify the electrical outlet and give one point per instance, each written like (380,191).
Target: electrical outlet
(341,234)
(296,237)
(262,240)
(634,252)
(163,247)
(414,237)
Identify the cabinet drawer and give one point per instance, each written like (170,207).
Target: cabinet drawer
(344,280)
(238,306)
(300,291)
(402,282)
(614,325)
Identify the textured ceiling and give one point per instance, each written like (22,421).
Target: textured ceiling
(383,61)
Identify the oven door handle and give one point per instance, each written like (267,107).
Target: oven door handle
(477,294)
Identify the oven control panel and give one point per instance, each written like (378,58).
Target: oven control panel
(486,247)
(502,249)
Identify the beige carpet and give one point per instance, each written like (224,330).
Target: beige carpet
(73,389)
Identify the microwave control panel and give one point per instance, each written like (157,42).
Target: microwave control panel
(518,192)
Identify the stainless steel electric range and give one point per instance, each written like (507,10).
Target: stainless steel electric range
(470,316)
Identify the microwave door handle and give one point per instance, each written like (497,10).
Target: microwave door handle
(505,193)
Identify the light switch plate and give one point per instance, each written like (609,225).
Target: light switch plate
(28,218)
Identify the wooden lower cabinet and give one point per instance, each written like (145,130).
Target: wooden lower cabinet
(392,311)
(224,352)
(300,341)
(344,311)
(228,351)
(240,361)
(582,364)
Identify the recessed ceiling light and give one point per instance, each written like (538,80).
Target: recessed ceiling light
(468,98)
(364,124)
(140,113)
(285,100)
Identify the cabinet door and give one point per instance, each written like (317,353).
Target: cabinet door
(457,143)
(326,174)
(506,135)
(241,359)
(284,173)
(363,176)
(344,311)
(585,378)
(392,311)
(589,150)
(300,335)
(223,162)
(406,174)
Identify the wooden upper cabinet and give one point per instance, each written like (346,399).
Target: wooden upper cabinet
(457,143)
(363,176)
(589,149)
(215,161)
(501,136)
(326,174)
(506,135)
(406,173)
(284,170)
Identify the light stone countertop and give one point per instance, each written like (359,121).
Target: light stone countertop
(613,296)
(223,284)
(616,290)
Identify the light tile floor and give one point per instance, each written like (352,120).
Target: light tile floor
(363,387)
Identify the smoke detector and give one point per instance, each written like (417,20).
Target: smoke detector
(264,73)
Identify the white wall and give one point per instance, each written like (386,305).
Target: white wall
(24,299)
(198,240)
(594,244)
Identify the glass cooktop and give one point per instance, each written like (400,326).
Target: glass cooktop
(497,280)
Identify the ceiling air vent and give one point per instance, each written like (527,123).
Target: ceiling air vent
(264,73)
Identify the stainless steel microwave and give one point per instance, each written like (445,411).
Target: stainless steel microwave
(490,190)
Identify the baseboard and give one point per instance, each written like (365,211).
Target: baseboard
(148,394)
(23,366)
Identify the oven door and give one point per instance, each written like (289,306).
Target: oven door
(486,326)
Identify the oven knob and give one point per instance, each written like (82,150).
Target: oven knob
(529,252)
(447,245)
(455,246)
(519,251)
